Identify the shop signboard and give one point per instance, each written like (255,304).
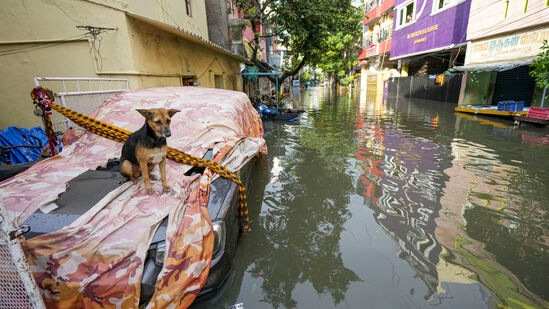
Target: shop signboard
(419,29)
(519,45)
(371,50)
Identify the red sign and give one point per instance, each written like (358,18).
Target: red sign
(371,50)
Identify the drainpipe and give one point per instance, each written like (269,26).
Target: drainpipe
(543,96)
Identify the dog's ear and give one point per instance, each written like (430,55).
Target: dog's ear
(172,111)
(145,112)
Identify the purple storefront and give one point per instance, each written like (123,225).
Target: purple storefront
(429,36)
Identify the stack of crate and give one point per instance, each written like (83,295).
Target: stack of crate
(538,113)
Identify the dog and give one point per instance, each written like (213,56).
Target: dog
(147,147)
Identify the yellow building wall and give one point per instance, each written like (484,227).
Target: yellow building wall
(173,12)
(175,57)
(42,40)
(20,69)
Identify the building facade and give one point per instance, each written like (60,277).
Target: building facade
(377,34)
(502,40)
(376,45)
(429,36)
(150,43)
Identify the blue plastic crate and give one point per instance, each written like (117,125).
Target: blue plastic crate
(511,106)
(519,106)
(503,105)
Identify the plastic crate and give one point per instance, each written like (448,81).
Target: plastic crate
(503,105)
(538,112)
(511,106)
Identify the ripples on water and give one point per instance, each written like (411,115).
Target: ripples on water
(395,204)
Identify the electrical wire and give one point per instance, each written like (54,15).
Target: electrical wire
(167,14)
(36,46)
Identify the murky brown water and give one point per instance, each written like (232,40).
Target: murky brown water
(395,204)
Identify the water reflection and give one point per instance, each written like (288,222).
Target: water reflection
(490,217)
(495,221)
(402,183)
(395,203)
(302,213)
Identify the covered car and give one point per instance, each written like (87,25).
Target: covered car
(98,240)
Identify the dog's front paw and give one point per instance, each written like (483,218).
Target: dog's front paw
(168,189)
(150,191)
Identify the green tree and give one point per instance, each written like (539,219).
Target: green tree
(540,69)
(339,61)
(303,27)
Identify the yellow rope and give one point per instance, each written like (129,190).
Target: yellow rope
(120,135)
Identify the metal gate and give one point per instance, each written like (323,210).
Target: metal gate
(17,286)
(80,94)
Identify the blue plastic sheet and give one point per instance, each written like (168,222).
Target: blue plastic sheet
(20,145)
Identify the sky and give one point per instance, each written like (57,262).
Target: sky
(356,3)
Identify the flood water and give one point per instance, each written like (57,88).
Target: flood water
(396,203)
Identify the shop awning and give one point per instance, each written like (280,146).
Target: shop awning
(496,66)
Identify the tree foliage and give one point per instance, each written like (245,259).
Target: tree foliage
(305,28)
(540,66)
(341,58)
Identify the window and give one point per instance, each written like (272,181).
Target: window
(368,37)
(384,34)
(405,14)
(188,7)
(441,5)
(370,5)
(188,81)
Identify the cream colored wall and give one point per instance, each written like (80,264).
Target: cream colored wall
(173,12)
(164,53)
(20,69)
(487,18)
(40,39)
(58,20)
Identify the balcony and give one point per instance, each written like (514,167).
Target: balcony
(375,9)
(386,5)
(385,46)
(370,5)
(384,34)
(375,49)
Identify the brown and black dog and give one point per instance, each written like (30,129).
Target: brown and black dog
(147,147)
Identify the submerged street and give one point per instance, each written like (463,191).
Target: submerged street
(396,203)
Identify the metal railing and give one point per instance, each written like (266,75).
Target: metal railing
(83,95)
(17,286)
(384,34)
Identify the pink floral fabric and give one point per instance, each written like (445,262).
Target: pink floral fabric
(97,261)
